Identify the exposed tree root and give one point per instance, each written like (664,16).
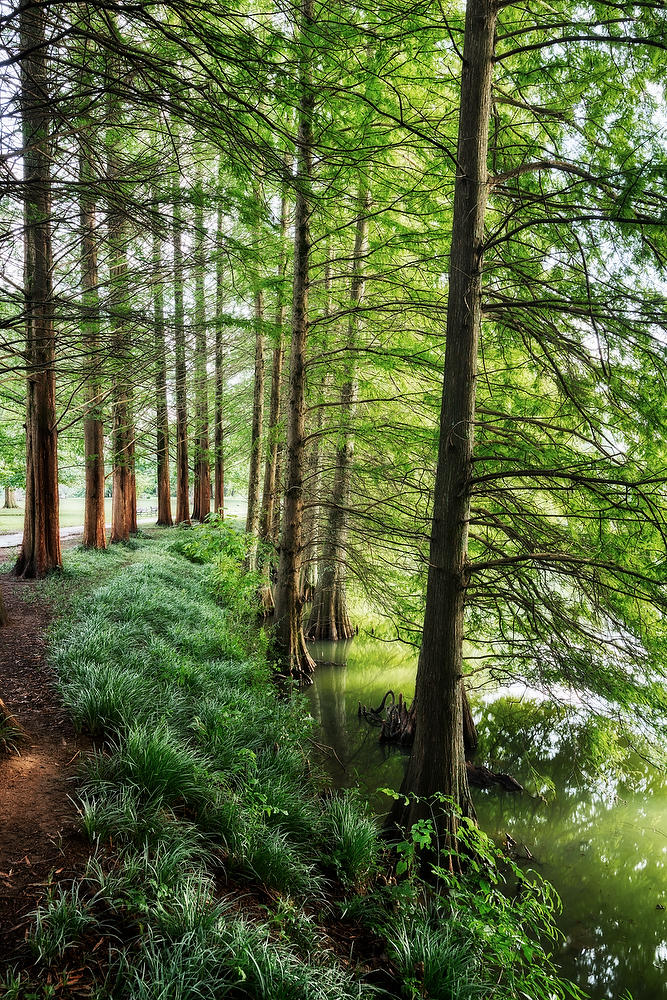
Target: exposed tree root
(397,721)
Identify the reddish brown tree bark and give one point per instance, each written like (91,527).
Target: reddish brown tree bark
(437,762)
(40,548)
(10,499)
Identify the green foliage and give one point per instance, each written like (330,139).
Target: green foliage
(484,907)
(60,923)
(203,778)
(12,454)
(354,837)
(223,547)
(202,775)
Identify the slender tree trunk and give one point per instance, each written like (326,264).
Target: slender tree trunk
(202,487)
(329,618)
(164,517)
(290,644)
(309,569)
(131,496)
(122,431)
(3,612)
(267,518)
(219,457)
(94,526)
(123,504)
(252,517)
(182,470)
(281,465)
(10,499)
(437,762)
(124,500)
(40,549)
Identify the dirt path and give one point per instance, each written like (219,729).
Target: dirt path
(38,821)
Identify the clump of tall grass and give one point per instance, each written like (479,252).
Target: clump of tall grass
(61,923)
(434,960)
(353,839)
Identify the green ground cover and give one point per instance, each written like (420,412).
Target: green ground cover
(222,866)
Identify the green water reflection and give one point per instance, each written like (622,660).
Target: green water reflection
(600,837)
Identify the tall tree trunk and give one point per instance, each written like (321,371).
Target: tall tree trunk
(267,518)
(123,494)
(317,514)
(309,569)
(329,618)
(202,469)
(437,762)
(182,470)
(40,549)
(94,526)
(3,612)
(254,477)
(10,499)
(124,497)
(164,517)
(290,644)
(219,456)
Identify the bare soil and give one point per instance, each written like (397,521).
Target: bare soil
(39,836)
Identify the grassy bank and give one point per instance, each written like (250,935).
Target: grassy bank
(222,865)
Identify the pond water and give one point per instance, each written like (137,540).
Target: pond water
(598,834)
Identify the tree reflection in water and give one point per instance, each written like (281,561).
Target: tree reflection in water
(595,823)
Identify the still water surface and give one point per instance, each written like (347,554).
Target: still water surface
(601,839)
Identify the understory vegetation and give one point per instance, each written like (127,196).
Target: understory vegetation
(221,864)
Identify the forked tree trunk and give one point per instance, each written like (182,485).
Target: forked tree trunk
(182,470)
(267,518)
(329,617)
(290,644)
(437,762)
(94,526)
(164,517)
(40,549)
(202,486)
(10,499)
(219,456)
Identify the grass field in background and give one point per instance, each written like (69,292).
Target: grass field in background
(71,512)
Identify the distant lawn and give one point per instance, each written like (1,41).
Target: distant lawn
(71,512)
(71,515)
